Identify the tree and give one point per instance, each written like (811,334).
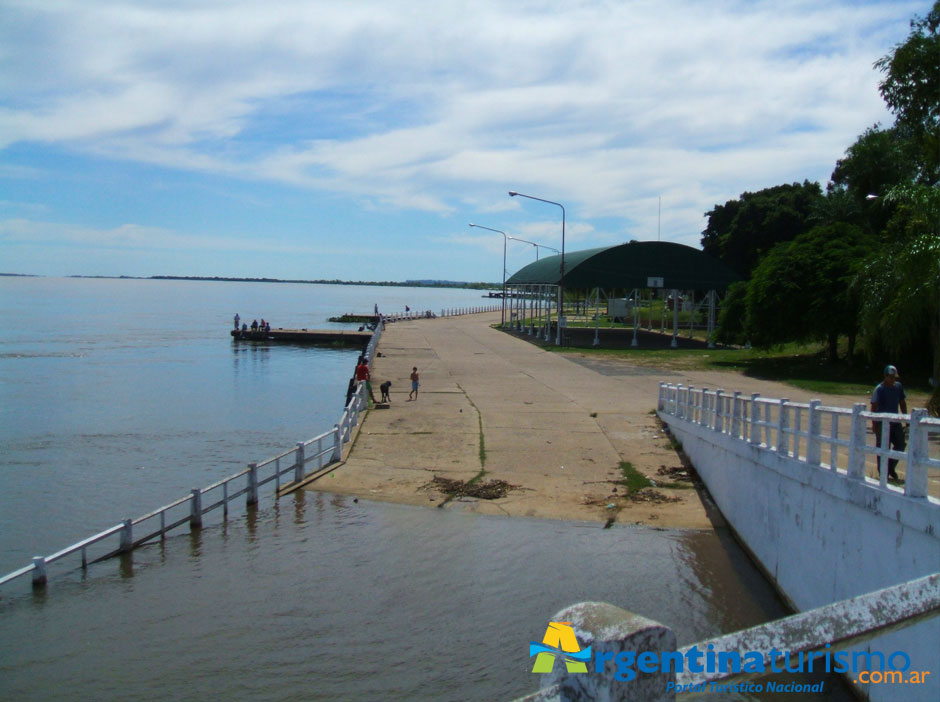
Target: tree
(878,160)
(731,317)
(800,291)
(899,287)
(911,88)
(741,231)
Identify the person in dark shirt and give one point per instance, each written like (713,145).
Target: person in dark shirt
(889,397)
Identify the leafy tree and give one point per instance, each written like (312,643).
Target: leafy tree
(878,160)
(731,316)
(741,231)
(899,286)
(840,206)
(911,89)
(800,291)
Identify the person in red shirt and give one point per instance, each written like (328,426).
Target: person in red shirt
(363,375)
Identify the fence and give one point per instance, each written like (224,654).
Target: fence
(457,311)
(322,450)
(448,312)
(811,432)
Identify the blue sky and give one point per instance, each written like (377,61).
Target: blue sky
(358,139)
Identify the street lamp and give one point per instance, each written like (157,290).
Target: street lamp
(502,320)
(561,281)
(537,246)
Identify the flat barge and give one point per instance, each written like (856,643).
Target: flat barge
(322,337)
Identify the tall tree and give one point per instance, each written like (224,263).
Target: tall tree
(878,160)
(800,291)
(731,317)
(900,285)
(741,231)
(911,89)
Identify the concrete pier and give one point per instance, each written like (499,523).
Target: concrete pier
(555,424)
(339,337)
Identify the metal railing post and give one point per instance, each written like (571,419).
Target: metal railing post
(127,536)
(195,509)
(299,466)
(856,467)
(251,498)
(783,425)
(916,478)
(755,419)
(719,399)
(814,429)
(736,415)
(39,571)
(337,443)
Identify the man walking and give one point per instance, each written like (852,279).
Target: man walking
(414,384)
(889,397)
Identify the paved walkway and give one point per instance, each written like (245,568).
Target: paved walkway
(555,425)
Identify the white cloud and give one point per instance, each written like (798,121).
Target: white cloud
(433,105)
(130,236)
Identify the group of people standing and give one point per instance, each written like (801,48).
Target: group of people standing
(363,374)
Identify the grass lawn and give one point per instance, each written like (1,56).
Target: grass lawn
(801,365)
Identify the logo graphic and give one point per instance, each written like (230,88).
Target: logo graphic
(559,641)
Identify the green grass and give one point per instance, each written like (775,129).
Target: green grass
(482,442)
(633,480)
(803,366)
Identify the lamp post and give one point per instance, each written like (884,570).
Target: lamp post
(537,246)
(561,280)
(502,319)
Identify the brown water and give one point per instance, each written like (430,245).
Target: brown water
(318,597)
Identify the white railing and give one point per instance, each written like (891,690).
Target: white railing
(124,537)
(323,451)
(457,311)
(446,312)
(834,438)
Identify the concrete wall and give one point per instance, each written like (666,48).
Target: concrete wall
(822,537)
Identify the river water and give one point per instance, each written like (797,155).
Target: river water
(118,396)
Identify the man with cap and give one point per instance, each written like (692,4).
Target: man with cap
(889,397)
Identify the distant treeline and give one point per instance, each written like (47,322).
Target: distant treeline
(217,278)
(394,283)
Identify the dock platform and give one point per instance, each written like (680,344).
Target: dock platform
(323,337)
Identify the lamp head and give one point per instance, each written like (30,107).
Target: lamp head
(512,193)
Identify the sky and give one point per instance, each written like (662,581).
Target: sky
(358,139)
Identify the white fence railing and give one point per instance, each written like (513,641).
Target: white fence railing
(446,312)
(457,311)
(321,451)
(830,437)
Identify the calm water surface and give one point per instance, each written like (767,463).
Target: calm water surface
(119,396)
